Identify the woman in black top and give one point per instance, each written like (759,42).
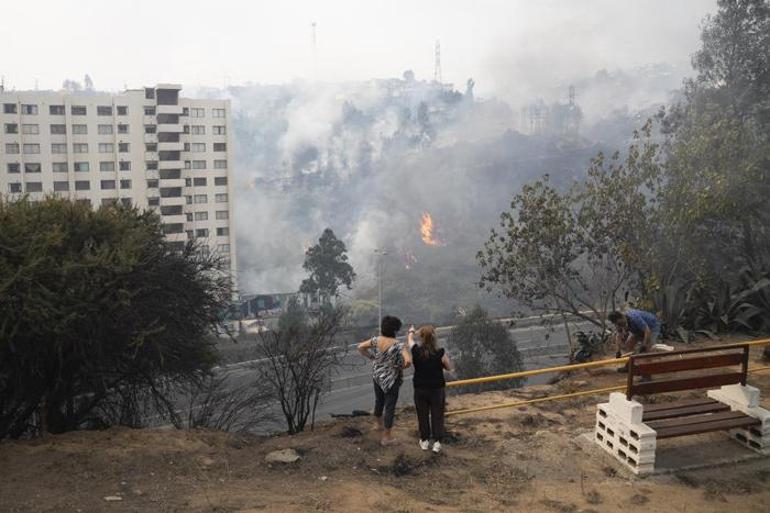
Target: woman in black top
(429,397)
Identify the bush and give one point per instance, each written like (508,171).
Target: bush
(97,307)
(481,347)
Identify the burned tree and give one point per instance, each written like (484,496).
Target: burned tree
(297,359)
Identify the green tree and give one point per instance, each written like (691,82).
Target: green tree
(481,347)
(328,267)
(95,304)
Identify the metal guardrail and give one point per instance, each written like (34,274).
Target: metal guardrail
(561,368)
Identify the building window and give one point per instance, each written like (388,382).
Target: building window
(186,147)
(170,192)
(151,147)
(82,185)
(106,166)
(199,164)
(61,186)
(105,129)
(15,186)
(80,148)
(122,110)
(220,146)
(223,248)
(30,167)
(150,129)
(30,129)
(187,164)
(123,147)
(58,148)
(199,182)
(149,111)
(220,180)
(59,167)
(56,110)
(151,165)
(197,113)
(171,210)
(126,202)
(188,217)
(202,232)
(12,148)
(188,200)
(29,109)
(106,147)
(220,164)
(187,182)
(125,165)
(170,174)
(198,147)
(79,129)
(122,128)
(31,149)
(108,184)
(186,129)
(79,110)
(223,232)
(198,130)
(33,186)
(173,228)
(11,128)
(153,202)
(82,167)
(200,199)
(201,216)
(221,198)
(218,113)
(185,111)
(58,129)
(190,234)
(219,130)
(14,167)
(149,93)
(104,110)
(9,108)
(125,184)
(109,202)
(152,184)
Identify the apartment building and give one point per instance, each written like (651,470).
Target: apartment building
(148,147)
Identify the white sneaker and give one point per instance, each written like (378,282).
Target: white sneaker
(424,445)
(437,447)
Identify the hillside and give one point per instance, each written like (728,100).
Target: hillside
(502,460)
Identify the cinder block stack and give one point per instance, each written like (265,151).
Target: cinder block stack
(621,432)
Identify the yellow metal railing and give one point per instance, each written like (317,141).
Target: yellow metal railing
(577,366)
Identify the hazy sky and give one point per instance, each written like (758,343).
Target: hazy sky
(142,42)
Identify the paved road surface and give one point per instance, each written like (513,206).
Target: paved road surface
(352,385)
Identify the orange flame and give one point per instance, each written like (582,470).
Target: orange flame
(426,230)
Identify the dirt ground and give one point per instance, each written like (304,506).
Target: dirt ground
(523,458)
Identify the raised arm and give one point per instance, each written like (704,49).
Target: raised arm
(407,357)
(447,363)
(410,337)
(364,348)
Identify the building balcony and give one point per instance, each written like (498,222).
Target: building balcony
(174,200)
(171,219)
(170,146)
(169,109)
(171,129)
(170,164)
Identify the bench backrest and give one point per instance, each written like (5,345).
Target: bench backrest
(649,364)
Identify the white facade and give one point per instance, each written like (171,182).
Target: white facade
(148,147)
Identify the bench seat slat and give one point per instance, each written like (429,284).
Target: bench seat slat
(710,407)
(705,427)
(694,419)
(649,408)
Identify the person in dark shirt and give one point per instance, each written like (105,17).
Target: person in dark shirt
(429,362)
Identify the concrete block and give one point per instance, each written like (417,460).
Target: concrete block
(629,411)
(736,396)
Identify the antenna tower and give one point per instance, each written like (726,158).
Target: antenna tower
(437,63)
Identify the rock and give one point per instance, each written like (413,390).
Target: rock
(206,461)
(113,498)
(282,456)
(323,478)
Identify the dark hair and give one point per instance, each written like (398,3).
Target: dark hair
(614,317)
(390,326)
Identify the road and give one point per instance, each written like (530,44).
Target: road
(352,385)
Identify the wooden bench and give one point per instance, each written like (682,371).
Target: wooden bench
(629,430)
